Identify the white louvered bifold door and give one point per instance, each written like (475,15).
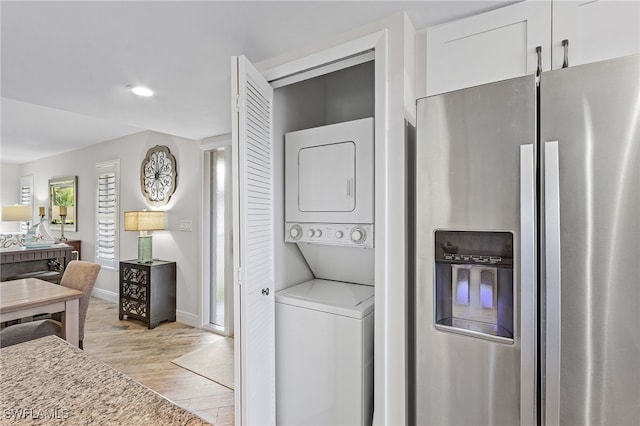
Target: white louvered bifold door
(252,99)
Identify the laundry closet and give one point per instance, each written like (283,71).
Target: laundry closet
(342,96)
(324,254)
(363,79)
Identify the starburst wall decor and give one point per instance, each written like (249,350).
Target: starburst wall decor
(158,175)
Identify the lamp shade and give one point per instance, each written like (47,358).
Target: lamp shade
(16,213)
(143,220)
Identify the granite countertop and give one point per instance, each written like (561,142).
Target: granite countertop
(48,381)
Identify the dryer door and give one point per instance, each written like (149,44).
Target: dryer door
(329,173)
(326,177)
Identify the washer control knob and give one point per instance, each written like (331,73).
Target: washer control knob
(319,233)
(310,232)
(295,232)
(358,235)
(339,234)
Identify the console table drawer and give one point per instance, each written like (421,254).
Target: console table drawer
(134,291)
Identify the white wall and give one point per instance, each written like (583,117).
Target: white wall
(10,188)
(169,244)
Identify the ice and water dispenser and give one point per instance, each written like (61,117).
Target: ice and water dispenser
(474,283)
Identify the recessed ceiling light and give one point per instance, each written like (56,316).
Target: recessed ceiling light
(141,90)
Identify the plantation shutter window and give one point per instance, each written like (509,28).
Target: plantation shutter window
(26,197)
(107,175)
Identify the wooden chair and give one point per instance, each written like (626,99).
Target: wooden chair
(79,275)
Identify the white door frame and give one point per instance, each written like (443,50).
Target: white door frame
(206,146)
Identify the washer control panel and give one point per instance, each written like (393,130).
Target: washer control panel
(336,234)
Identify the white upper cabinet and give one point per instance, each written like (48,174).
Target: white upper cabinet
(501,44)
(596,30)
(489,47)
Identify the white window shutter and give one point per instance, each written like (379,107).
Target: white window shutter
(26,197)
(107,176)
(254,263)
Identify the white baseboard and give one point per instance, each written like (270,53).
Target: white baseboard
(188,319)
(181,316)
(107,295)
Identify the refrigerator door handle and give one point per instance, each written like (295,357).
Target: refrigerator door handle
(552,281)
(528,280)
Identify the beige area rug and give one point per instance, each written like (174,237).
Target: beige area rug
(213,361)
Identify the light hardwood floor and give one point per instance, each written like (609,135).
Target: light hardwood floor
(146,355)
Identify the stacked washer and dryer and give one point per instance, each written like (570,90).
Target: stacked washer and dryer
(324,327)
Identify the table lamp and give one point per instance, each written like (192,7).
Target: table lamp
(144,221)
(17,213)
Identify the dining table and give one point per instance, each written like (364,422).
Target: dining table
(27,297)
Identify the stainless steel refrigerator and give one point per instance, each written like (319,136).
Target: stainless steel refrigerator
(527,248)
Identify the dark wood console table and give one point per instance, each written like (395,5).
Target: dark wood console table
(17,263)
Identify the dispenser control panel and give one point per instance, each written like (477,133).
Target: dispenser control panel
(337,234)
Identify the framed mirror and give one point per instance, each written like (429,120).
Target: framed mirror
(62,199)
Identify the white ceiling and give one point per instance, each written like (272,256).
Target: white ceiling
(65,65)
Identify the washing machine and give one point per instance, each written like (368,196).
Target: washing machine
(324,354)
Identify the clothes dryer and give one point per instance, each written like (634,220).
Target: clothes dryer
(329,173)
